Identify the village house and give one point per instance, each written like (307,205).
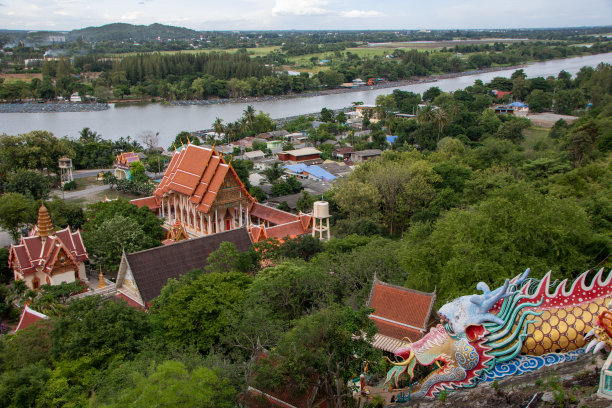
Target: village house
(47,256)
(300,155)
(363,155)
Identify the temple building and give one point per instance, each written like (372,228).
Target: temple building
(402,315)
(122,164)
(204,194)
(47,256)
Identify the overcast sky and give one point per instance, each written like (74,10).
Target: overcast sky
(305,14)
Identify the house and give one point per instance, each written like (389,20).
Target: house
(143,274)
(300,155)
(276,134)
(340,169)
(364,110)
(296,137)
(314,172)
(254,155)
(520,108)
(75,98)
(342,152)
(363,155)
(274,144)
(47,256)
(291,200)
(399,313)
(500,94)
(504,110)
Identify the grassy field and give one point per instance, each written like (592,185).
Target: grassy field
(536,141)
(254,52)
(27,77)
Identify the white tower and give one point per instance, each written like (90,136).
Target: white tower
(65,166)
(320,215)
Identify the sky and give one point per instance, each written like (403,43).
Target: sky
(305,14)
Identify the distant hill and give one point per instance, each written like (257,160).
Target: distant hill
(129,32)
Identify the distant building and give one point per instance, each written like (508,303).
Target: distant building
(47,256)
(300,155)
(122,164)
(363,155)
(504,110)
(314,172)
(343,152)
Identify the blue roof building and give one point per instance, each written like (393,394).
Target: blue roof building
(313,172)
(391,139)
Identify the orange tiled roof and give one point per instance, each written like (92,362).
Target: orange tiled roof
(197,172)
(400,311)
(150,202)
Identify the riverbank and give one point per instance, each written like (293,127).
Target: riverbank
(323,92)
(35,107)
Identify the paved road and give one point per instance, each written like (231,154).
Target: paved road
(67,195)
(87,173)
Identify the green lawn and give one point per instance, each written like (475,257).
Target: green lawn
(536,142)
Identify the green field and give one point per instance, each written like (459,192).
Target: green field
(255,52)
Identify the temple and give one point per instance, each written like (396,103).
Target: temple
(201,194)
(47,256)
(402,315)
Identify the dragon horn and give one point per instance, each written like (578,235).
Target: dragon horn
(403,363)
(600,346)
(591,345)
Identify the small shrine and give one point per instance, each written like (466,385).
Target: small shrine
(47,256)
(176,233)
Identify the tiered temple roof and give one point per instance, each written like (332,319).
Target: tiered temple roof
(39,251)
(402,315)
(28,318)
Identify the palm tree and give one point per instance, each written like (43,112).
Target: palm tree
(442,119)
(249,115)
(218,126)
(274,173)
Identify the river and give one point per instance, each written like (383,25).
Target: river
(169,120)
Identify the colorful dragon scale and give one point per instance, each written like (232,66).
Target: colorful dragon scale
(522,326)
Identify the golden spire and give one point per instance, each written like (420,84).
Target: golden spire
(213,146)
(182,143)
(188,141)
(230,160)
(173,145)
(44,224)
(101,283)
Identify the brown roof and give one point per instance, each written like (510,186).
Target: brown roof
(152,268)
(400,312)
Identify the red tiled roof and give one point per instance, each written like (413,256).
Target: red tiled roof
(400,306)
(129,301)
(150,202)
(271,215)
(29,317)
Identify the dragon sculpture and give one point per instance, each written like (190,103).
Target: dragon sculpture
(522,326)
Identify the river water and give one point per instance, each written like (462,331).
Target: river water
(169,120)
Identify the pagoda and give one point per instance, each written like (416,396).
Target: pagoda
(47,256)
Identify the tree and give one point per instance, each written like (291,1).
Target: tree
(325,350)
(138,172)
(16,212)
(149,139)
(274,172)
(93,324)
(218,127)
(513,130)
(171,384)
(249,115)
(224,259)
(106,242)
(431,94)
(305,202)
(183,139)
(29,183)
(6,274)
(196,309)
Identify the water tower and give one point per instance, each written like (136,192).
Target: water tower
(65,166)
(320,216)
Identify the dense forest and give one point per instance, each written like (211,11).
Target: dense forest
(461,196)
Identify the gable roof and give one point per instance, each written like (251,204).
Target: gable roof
(29,317)
(400,312)
(152,268)
(197,172)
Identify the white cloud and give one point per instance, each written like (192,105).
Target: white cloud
(300,8)
(361,13)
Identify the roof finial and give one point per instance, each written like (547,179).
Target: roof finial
(173,145)
(213,146)
(182,143)
(44,224)
(188,141)
(230,160)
